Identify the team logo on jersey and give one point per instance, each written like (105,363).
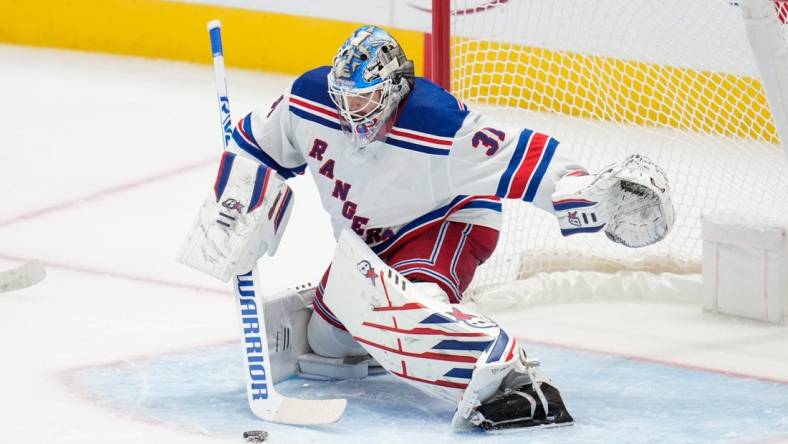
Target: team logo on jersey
(232,204)
(573,219)
(367,270)
(474,320)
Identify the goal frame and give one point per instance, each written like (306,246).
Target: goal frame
(772,65)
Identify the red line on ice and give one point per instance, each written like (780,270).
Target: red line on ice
(658,361)
(106,192)
(115,274)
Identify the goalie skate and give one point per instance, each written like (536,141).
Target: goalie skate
(535,404)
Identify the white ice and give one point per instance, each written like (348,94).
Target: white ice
(103,163)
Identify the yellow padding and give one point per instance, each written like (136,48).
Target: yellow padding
(252,39)
(611,89)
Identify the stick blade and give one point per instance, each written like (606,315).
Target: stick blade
(22,276)
(304,411)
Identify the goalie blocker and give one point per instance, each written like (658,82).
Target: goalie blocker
(242,219)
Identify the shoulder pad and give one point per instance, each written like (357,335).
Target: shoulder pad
(431,109)
(313,85)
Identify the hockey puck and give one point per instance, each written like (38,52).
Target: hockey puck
(255,436)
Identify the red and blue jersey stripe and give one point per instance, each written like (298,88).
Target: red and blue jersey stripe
(437,215)
(244,138)
(314,112)
(419,142)
(527,166)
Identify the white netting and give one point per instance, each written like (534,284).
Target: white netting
(672,79)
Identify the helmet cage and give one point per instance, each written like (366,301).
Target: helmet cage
(362,112)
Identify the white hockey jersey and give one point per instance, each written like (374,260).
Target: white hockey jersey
(438,162)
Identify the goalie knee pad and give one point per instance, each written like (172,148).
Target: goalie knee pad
(331,342)
(629,200)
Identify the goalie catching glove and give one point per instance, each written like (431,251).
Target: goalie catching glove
(243,218)
(630,200)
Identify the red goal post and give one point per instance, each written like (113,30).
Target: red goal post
(676,80)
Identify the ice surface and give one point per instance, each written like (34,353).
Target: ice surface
(613,399)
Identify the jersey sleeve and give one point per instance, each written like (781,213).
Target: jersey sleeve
(263,135)
(490,159)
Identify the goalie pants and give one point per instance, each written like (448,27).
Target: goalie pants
(446,254)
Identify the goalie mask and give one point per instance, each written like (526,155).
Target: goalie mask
(369,78)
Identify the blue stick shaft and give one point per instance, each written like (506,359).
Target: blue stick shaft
(263,399)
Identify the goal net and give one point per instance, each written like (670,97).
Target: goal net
(676,80)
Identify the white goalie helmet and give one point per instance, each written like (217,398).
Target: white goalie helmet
(369,79)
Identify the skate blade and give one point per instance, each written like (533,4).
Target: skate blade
(514,429)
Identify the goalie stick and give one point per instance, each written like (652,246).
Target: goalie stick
(265,402)
(23,276)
